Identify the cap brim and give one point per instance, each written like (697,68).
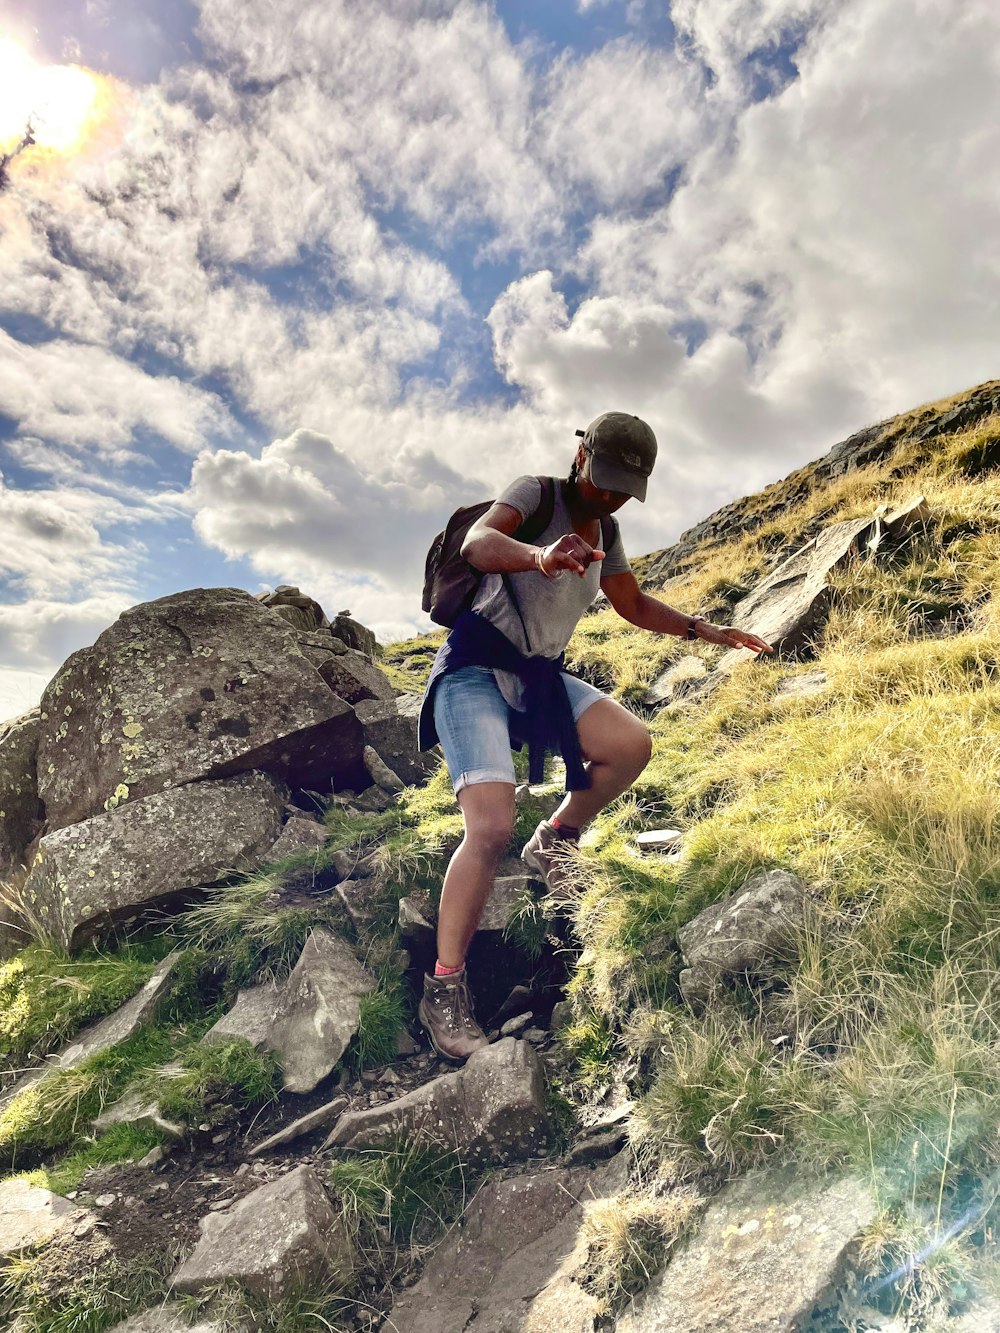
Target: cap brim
(607,477)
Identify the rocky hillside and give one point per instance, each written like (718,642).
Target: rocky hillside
(744,1070)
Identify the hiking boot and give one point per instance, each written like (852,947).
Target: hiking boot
(446,1012)
(550,856)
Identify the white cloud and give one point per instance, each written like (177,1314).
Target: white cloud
(53,545)
(85,396)
(36,636)
(645,102)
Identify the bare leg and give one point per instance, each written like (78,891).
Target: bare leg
(488,810)
(617,746)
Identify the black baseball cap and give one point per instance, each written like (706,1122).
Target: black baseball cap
(622,451)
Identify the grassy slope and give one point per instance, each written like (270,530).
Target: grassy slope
(881,792)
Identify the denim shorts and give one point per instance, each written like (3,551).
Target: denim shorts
(473,722)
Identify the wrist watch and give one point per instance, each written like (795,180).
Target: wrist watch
(691,633)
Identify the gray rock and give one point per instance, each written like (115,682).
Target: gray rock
(493,1108)
(771,1247)
(201,684)
(373,798)
(135,1109)
(546,798)
(309,1019)
(393,735)
(681,678)
(149,852)
(355,634)
(20,811)
(803,686)
(298,835)
(755,931)
(413,925)
(304,1125)
(30,1216)
(108,1031)
(562,1016)
(515,1025)
(353,677)
(658,840)
(508,894)
(357,896)
(510,1267)
(380,771)
(299,611)
(283,1233)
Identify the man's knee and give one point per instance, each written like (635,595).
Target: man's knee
(639,746)
(490,835)
(489,816)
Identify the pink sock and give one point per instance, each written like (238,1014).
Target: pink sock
(564,830)
(441,971)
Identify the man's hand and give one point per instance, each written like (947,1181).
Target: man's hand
(569,552)
(731,638)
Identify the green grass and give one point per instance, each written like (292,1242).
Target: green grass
(396,1192)
(46,996)
(47,1294)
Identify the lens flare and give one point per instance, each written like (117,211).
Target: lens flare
(62,103)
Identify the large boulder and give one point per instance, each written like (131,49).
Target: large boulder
(281,1236)
(510,1267)
(771,1248)
(202,684)
(20,810)
(151,852)
(307,1020)
(493,1109)
(753,932)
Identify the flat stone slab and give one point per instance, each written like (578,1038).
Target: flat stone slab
(147,853)
(658,839)
(30,1216)
(167,1318)
(304,1125)
(284,1233)
(309,1019)
(508,1268)
(492,1109)
(771,1247)
(108,1031)
(752,932)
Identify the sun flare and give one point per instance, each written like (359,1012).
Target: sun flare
(60,102)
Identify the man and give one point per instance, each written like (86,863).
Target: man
(498,678)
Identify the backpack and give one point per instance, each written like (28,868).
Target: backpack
(451,583)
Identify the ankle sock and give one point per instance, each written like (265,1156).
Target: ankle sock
(441,971)
(564,830)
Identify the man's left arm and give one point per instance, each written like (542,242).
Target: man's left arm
(639,608)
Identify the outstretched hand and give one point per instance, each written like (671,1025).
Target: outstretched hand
(569,552)
(733,638)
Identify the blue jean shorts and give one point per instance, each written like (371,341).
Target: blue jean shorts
(473,723)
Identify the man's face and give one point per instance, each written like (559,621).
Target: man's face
(598,502)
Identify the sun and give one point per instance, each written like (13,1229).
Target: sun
(59,101)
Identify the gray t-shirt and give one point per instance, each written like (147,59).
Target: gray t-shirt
(551,607)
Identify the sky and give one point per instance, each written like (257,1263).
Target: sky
(282,285)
